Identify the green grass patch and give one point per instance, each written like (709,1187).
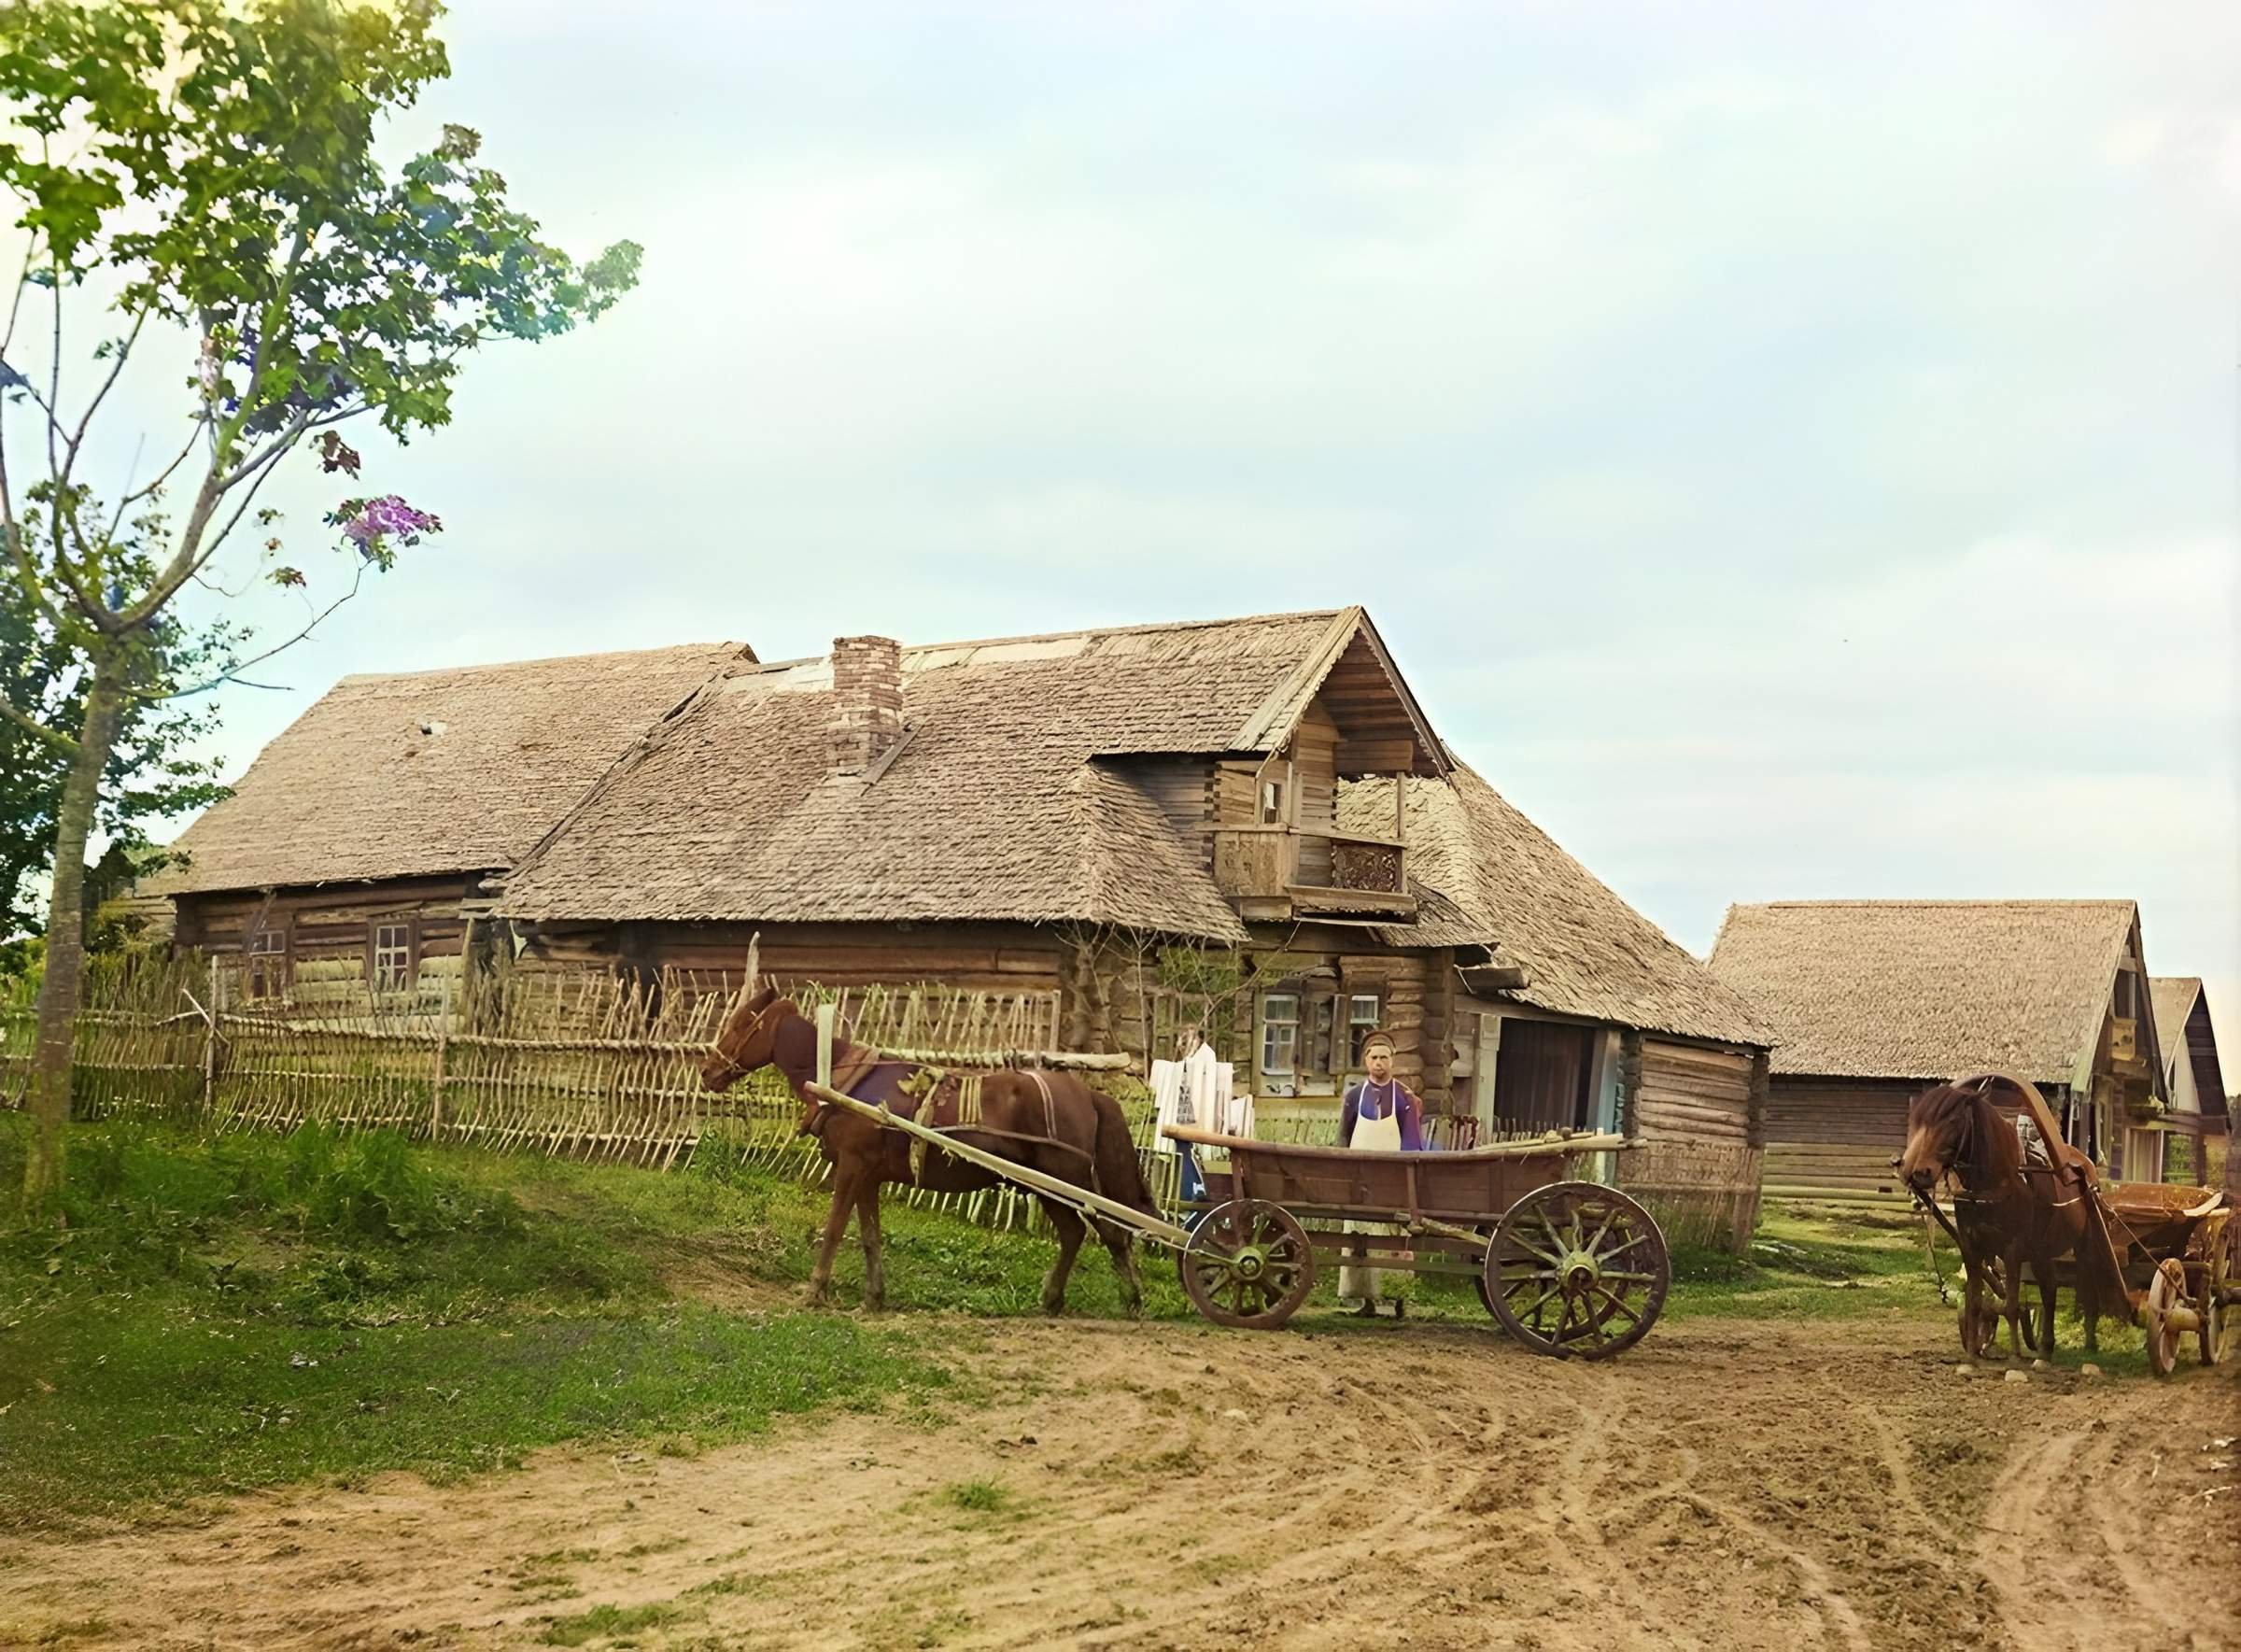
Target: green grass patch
(247,1311)
(606,1622)
(976,1496)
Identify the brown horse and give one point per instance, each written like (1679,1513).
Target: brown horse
(2003,1214)
(1048,1122)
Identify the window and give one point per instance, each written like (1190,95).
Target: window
(1362,1012)
(265,962)
(1279,1032)
(1272,802)
(391,963)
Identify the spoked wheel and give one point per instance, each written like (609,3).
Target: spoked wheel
(2217,1328)
(2166,1291)
(1249,1264)
(1577,1270)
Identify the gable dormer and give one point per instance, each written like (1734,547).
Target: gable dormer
(1344,714)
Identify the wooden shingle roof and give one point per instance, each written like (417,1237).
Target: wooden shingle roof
(1929,989)
(2184,1031)
(1495,878)
(422,774)
(1000,803)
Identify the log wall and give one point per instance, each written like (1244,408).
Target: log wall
(328,929)
(1836,1138)
(1693,1093)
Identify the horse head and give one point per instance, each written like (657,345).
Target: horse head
(1939,1122)
(747,1040)
(1955,1128)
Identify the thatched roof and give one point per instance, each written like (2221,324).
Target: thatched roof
(2184,1032)
(1000,804)
(428,773)
(1495,878)
(1929,989)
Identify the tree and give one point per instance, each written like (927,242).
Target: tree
(203,172)
(151,774)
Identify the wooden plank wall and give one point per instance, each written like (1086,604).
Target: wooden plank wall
(328,929)
(1836,1137)
(1314,755)
(1690,1092)
(980,956)
(1184,790)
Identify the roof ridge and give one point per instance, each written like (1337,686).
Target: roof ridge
(1136,630)
(1910,900)
(546,659)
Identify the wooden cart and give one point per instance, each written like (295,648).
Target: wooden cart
(2176,1247)
(1569,1267)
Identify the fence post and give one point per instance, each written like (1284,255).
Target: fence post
(826,1013)
(435,1097)
(210,1046)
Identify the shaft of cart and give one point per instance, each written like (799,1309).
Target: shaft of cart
(1157,1229)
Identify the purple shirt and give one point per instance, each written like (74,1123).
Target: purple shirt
(1375,1101)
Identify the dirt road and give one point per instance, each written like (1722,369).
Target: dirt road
(1727,1484)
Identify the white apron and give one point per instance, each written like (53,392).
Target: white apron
(1371,1136)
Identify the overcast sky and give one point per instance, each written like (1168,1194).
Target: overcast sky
(1791,449)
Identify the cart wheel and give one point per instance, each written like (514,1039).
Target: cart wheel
(1249,1264)
(2210,1305)
(2166,1290)
(1577,1270)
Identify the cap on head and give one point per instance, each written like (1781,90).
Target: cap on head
(1378,1040)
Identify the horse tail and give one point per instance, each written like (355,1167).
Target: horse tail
(1120,1172)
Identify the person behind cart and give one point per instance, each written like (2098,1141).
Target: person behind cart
(1381,1115)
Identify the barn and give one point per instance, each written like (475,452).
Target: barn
(1250,823)
(1872,1000)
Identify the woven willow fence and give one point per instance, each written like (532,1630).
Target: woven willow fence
(583,1063)
(590,1064)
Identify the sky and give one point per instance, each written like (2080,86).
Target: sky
(1790,450)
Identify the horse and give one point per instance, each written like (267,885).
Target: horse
(1048,1122)
(2004,1214)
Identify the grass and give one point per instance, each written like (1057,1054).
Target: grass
(607,1623)
(246,1311)
(239,1312)
(976,1496)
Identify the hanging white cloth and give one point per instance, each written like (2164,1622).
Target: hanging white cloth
(1197,1094)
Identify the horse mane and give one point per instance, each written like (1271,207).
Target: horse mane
(1994,1151)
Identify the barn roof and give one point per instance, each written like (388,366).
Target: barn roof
(1001,803)
(1929,989)
(426,772)
(2184,1032)
(1503,881)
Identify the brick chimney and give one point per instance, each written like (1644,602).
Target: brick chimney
(867,702)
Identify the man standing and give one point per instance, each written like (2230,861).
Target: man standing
(1381,1115)
(1382,1096)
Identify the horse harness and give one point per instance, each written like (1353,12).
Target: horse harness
(938,1085)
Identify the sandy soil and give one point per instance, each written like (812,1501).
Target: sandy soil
(1724,1485)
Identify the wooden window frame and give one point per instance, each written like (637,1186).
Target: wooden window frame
(268,973)
(1268,1022)
(1359,1029)
(410,923)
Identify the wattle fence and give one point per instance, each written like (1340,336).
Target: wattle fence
(587,1064)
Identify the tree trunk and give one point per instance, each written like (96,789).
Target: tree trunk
(50,1099)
